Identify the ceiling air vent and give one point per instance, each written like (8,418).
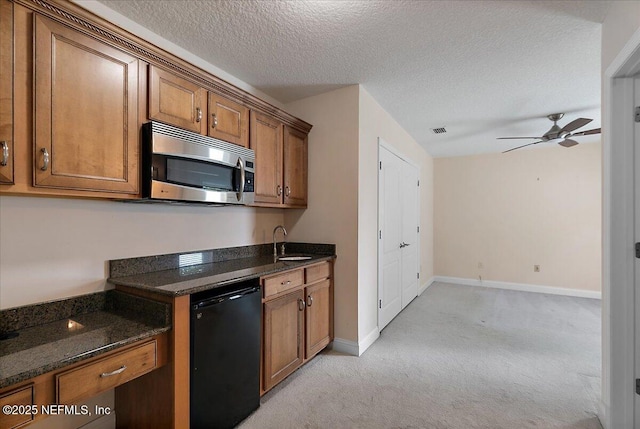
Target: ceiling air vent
(440,130)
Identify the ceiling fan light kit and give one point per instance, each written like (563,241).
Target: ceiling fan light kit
(556,133)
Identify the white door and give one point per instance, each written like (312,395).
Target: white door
(389,237)
(410,241)
(398,235)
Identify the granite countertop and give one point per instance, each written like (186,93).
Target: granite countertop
(237,264)
(56,334)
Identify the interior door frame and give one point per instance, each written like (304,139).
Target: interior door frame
(618,262)
(384,144)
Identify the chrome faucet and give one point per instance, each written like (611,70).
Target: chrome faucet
(275,249)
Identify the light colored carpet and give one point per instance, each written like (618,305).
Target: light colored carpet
(457,357)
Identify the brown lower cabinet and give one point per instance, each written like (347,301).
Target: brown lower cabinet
(298,320)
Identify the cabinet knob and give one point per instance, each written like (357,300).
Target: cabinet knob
(198,114)
(288,282)
(45,159)
(214,120)
(5,153)
(279,190)
(301,304)
(287,191)
(309,300)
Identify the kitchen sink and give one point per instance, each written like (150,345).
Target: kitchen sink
(293,258)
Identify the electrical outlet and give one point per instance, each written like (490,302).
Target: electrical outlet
(536,268)
(480,265)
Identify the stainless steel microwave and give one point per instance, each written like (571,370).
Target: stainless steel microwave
(182,166)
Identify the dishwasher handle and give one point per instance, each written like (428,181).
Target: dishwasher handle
(218,299)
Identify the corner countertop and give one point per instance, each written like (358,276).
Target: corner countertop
(197,278)
(164,275)
(84,327)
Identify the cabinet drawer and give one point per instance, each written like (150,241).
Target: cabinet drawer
(22,399)
(282,282)
(317,272)
(105,374)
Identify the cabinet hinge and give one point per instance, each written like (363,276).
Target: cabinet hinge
(380,303)
(637,386)
(638,250)
(380,234)
(380,165)
(418,275)
(418,183)
(637,112)
(418,229)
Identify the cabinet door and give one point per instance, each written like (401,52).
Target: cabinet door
(283,341)
(266,142)
(228,121)
(295,168)
(317,317)
(176,101)
(6,92)
(86,112)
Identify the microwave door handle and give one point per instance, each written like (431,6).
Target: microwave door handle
(242,178)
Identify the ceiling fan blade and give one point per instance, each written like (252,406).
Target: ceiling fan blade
(587,133)
(575,124)
(514,138)
(529,144)
(567,143)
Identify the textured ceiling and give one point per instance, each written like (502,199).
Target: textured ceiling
(482,69)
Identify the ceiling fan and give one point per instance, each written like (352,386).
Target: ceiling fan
(555,132)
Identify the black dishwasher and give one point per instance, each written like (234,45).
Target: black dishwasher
(225,354)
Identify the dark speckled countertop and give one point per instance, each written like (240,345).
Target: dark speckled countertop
(164,275)
(56,334)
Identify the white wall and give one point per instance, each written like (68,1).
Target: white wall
(54,248)
(512,211)
(376,122)
(343,177)
(331,216)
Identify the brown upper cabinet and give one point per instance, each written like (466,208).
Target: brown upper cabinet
(81,88)
(295,167)
(266,142)
(176,101)
(180,102)
(6,92)
(86,112)
(228,121)
(281,163)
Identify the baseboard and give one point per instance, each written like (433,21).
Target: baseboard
(369,339)
(602,414)
(426,285)
(353,348)
(523,287)
(345,346)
